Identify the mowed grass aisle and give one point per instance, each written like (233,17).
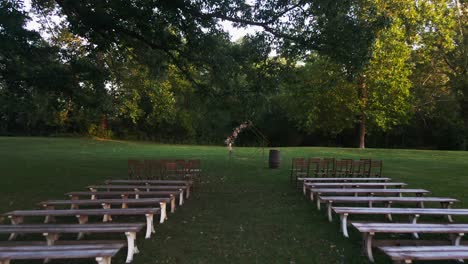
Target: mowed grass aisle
(243,212)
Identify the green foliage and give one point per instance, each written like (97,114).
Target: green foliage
(387,79)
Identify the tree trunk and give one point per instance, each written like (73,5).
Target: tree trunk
(362,121)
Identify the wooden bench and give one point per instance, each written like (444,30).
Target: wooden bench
(388,201)
(102,253)
(107,203)
(369,230)
(331,179)
(148,188)
(340,180)
(357,191)
(384,185)
(408,254)
(17,217)
(415,213)
(52,232)
(127,194)
(150,182)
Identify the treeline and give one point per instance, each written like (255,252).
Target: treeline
(385,73)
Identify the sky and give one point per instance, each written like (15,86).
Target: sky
(235,33)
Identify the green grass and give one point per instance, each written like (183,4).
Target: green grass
(243,213)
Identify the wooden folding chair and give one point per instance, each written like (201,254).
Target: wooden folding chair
(299,169)
(194,169)
(376,168)
(135,169)
(329,167)
(314,166)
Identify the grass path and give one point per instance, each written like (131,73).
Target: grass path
(243,213)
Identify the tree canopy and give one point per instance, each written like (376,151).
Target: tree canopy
(314,72)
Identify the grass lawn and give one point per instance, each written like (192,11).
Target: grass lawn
(243,213)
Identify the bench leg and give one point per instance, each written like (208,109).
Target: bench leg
(103,260)
(187,193)
(173,204)
(49,218)
(163,212)
(318,202)
(389,216)
(181,198)
(329,211)
(415,221)
(304,190)
(131,247)
(82,219)
(368,237)
(311,195)
(15,220)
(51,238)
(344,224)
(106,217)
(149,225)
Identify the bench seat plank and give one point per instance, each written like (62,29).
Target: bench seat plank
(344,212)
(308,185)
(125,194)
(83,214)
(161,182)
(101,252)
(408,254)
(370,200)
(370,229)
(354,184)
(357,191)
(52,232)
(141,187)
(106,203)
(342,179)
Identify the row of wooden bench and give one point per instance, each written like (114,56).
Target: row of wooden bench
(377,190)
(331,167)
(175,169)
(122,193)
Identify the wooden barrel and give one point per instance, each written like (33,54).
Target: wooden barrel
(274,159)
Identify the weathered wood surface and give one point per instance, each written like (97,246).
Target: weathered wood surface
(161,182)
(90,212)
(415,213)
(388,200)
(17,217)
(106,203)
(410,211)
(357,191)
(127,194)
(102,253)
(410,228)
(141,187)
(369,230)
(354,184)
(53,231)
(408,254)
(364,199)
(72,228)
(342,179)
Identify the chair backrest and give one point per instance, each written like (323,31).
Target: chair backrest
(329,166)
(135,169)
(156,169)
(314,166)
(171,170)
(299,164)
(366,167)
(376,168)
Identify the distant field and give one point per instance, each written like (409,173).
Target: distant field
(243,212)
